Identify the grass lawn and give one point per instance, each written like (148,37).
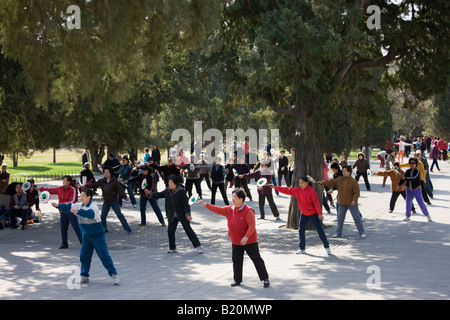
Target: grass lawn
(40,165)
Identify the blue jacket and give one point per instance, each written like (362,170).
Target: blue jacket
(88,216)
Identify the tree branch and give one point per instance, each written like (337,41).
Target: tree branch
(286,111)
(349,65)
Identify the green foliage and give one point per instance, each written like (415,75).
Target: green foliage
(440,116)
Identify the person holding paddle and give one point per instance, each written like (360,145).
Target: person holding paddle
(311,210)
(242,232)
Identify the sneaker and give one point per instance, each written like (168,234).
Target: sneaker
(266,283)
(199,250)
(429,218)
(328,251)
(115,279)
(363,235)
(84,279)
(390,211)
(336,235)
(134,206)
(235,284)
(406,219)
(172,251)
(277,219)
(300,251)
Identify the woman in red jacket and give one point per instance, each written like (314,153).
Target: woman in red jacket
(242,232)
(66,194)
(309,205)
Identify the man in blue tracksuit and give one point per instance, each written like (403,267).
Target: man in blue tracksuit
(93,234)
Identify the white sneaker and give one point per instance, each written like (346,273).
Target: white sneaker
(328,251)
(199,250)
(84,279)
(363,235)
(115,279)
(172,251)
(336,235)
(301,251)
(429,218)
(406,219)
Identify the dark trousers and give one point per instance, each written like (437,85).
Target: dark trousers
(424,192)
(155,207)
(395,195)
(23,214)
(435,162)
(206,177)
(116,208)
(64,220)
(196,182)
(221,186)
(262,201)
(238,261)
(95,242)
(187,228)
(366,180)
(317,224)
(285,174)
(238,183)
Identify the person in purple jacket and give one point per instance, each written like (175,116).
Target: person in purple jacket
(266,191)
(434,154)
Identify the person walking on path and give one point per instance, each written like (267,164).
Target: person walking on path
(348,189)
(434,155)
(243,235)
(310,209)
(413,189)
(111,190)
(177,210)
(66,194)
(93,234)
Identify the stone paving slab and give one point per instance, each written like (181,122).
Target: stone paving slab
(409,260)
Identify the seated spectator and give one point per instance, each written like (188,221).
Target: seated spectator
(20,206)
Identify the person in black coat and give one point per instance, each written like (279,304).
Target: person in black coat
(218,181)
(177,210)
(156,155)
(167,170)
(242,168)
(144,192)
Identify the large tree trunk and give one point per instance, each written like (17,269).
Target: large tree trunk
(308,161)
(97,154)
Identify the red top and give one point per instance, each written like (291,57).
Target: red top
(241,222)
(65,194)
(308,202)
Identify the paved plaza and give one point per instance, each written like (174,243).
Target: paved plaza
(397,260)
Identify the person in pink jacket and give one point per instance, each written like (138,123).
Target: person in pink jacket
(67,193)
